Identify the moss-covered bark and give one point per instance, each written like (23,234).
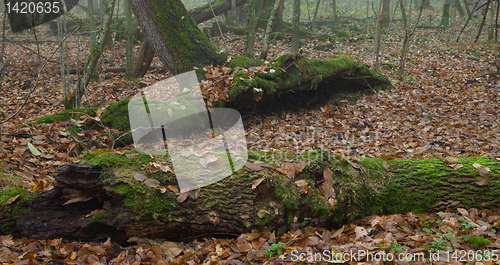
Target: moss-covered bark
(294,72)
(174,35)
(130,208)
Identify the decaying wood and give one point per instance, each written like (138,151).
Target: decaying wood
(258,195)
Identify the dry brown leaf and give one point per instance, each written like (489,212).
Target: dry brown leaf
(152,183)
(327,175)
(173,189)
(302,186)
(328,190)
(182,197)
(12,199)
(257,182)
(386,165)
(140,177)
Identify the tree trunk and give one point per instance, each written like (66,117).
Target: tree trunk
(146,55)
(250,42)
(315,14)
(200,14)
(129,64)
(204,13)
(92,28)
(386,13)
(295,25)
(269,28)
(335,15)
(445,19)
(175,35)
(378,37)
(107,14)
(90,203)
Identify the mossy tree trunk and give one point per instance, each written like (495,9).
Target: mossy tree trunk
(92,203)
(199,14)
(174,35)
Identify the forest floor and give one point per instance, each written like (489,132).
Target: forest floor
(443,107)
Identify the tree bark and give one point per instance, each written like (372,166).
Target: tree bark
(445,20)
(295,25)
(144,59)
(175,35)
(129,62)
(96,50)
(269,28)
(250,41)
(91,203)
(386,13)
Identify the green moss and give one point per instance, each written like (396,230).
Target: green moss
(5,195)
(478,242)
(66,115)
(107,159)
(266,219)
(183,35)
(99,217)
(116,116)
(325,37)
(244,62)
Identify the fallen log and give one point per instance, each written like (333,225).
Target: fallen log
(114,196)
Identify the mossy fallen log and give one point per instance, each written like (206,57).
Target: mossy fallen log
(115,196)
(293,72)
(289,75)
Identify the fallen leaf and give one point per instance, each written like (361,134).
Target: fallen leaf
(34,150)
(257,182)
(182,197)
(12,199)
(152,183)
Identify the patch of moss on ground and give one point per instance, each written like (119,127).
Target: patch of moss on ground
(66,115)
(5,195)
(244,62)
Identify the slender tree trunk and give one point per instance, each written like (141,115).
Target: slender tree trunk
(496,21)
(386,13)
(250,44)
(295,25)
(269,28)
(261,14)
(408,34)
(334,8)
(466,4)
(491,30)
(467,21)
(459,8)
(378,37)
(315,14)
(484,20)
(92,28)
(445,19)
(129,64)
(107,14)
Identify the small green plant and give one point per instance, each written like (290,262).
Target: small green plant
(467,225)
(396,247)
(478,242)
(276,248)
